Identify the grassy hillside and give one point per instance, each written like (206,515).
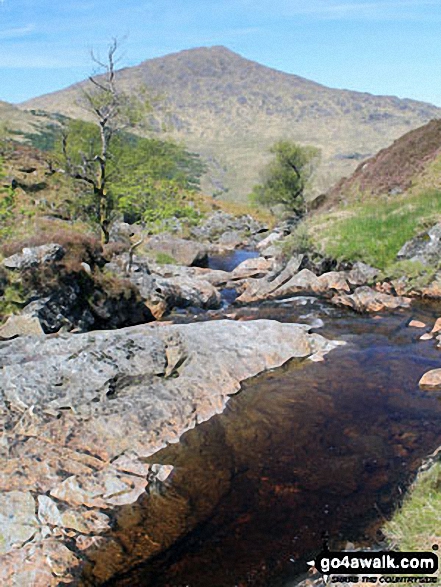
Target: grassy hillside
(231,110)
(388,200)
(374,231)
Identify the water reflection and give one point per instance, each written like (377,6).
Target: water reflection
(308,451)
(228,261)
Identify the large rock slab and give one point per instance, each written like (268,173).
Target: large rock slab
(82,416)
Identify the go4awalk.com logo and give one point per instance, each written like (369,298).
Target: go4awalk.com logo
(406,567)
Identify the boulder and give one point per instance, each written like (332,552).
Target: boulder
(161,295)
(255,267)
(271,252)
(82,416)
(304,281)
(184,252)
(362,274)
(261,289)
(424,248)
(31,257)
(269,240)
(333,280)
(231,239)
(365,299)
(20,326)
(307,282)
(431,381)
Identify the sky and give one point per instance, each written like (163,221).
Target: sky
(389,47)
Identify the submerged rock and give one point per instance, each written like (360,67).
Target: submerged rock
(82,416)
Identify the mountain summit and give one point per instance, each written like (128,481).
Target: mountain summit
(231,110)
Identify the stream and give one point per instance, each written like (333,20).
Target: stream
(305,453)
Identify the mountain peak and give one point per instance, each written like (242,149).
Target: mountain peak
(217,56)
(231,110)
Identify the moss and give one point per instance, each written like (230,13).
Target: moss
(165,259)
(418,275)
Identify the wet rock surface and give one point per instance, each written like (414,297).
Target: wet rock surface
(82,416)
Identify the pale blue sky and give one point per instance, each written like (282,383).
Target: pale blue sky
(378,46)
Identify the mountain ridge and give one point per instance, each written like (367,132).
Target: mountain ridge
(231,110)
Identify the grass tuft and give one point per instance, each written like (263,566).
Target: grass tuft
(416,526)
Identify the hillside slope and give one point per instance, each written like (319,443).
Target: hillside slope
(15,120)
(231,110)
(413,162)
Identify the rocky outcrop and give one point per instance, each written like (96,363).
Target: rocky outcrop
(82,416)
(32,257)
(68,295)
(365,299)
(229,231)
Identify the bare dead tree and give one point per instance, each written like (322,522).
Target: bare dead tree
(112,111)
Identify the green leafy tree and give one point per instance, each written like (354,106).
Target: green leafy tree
(286,177)
(146,179)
